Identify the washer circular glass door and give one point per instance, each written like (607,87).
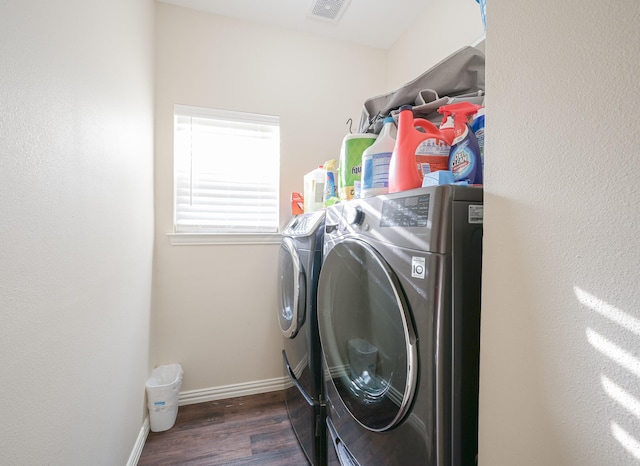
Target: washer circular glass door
(291,291)
(367,335)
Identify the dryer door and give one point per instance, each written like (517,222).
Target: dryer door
(367,335)
(291,292)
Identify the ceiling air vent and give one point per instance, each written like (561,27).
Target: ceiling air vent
(327,10)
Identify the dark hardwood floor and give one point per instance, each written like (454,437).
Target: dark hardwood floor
(248,430)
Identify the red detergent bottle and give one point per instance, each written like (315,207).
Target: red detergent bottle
(415,152)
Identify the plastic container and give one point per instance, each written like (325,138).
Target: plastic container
(314,182)
(331,187)
(483,12)
(297,204)
(447,128)
(477,126)
(376,159)
(415,152)
(350,165)
(163,388)
(464,159)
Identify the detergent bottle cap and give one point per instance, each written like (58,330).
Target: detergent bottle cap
(389,128)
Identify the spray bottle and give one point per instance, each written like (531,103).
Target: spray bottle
(464,159)
(477,126)
(415,153)
(447,127)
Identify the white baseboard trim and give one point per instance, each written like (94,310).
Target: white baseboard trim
(230,391)
(139,445)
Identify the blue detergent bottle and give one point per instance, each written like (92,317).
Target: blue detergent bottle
(477,126)
(464,158)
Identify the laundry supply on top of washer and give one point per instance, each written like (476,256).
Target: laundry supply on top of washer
(350,165)
(433,152)
(464,157)
(297,204)
(477,126)
(314,182)
(376,159)
(483,12)
(439,177)
(330,187)
(446,128)
(415,152)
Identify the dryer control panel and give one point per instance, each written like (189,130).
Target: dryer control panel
(304,224)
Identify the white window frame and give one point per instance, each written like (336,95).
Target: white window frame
(191,173)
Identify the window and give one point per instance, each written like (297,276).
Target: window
(226,172)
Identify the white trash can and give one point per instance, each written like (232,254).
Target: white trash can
(163,388)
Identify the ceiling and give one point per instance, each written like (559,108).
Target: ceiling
(376,23)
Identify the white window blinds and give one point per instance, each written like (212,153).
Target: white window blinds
(226,171)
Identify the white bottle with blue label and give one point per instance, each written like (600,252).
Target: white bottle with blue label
(376,159)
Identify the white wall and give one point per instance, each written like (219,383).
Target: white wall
(215,306)
(76,219)
(444,27)
(561,318)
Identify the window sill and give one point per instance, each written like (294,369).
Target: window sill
(192,239)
